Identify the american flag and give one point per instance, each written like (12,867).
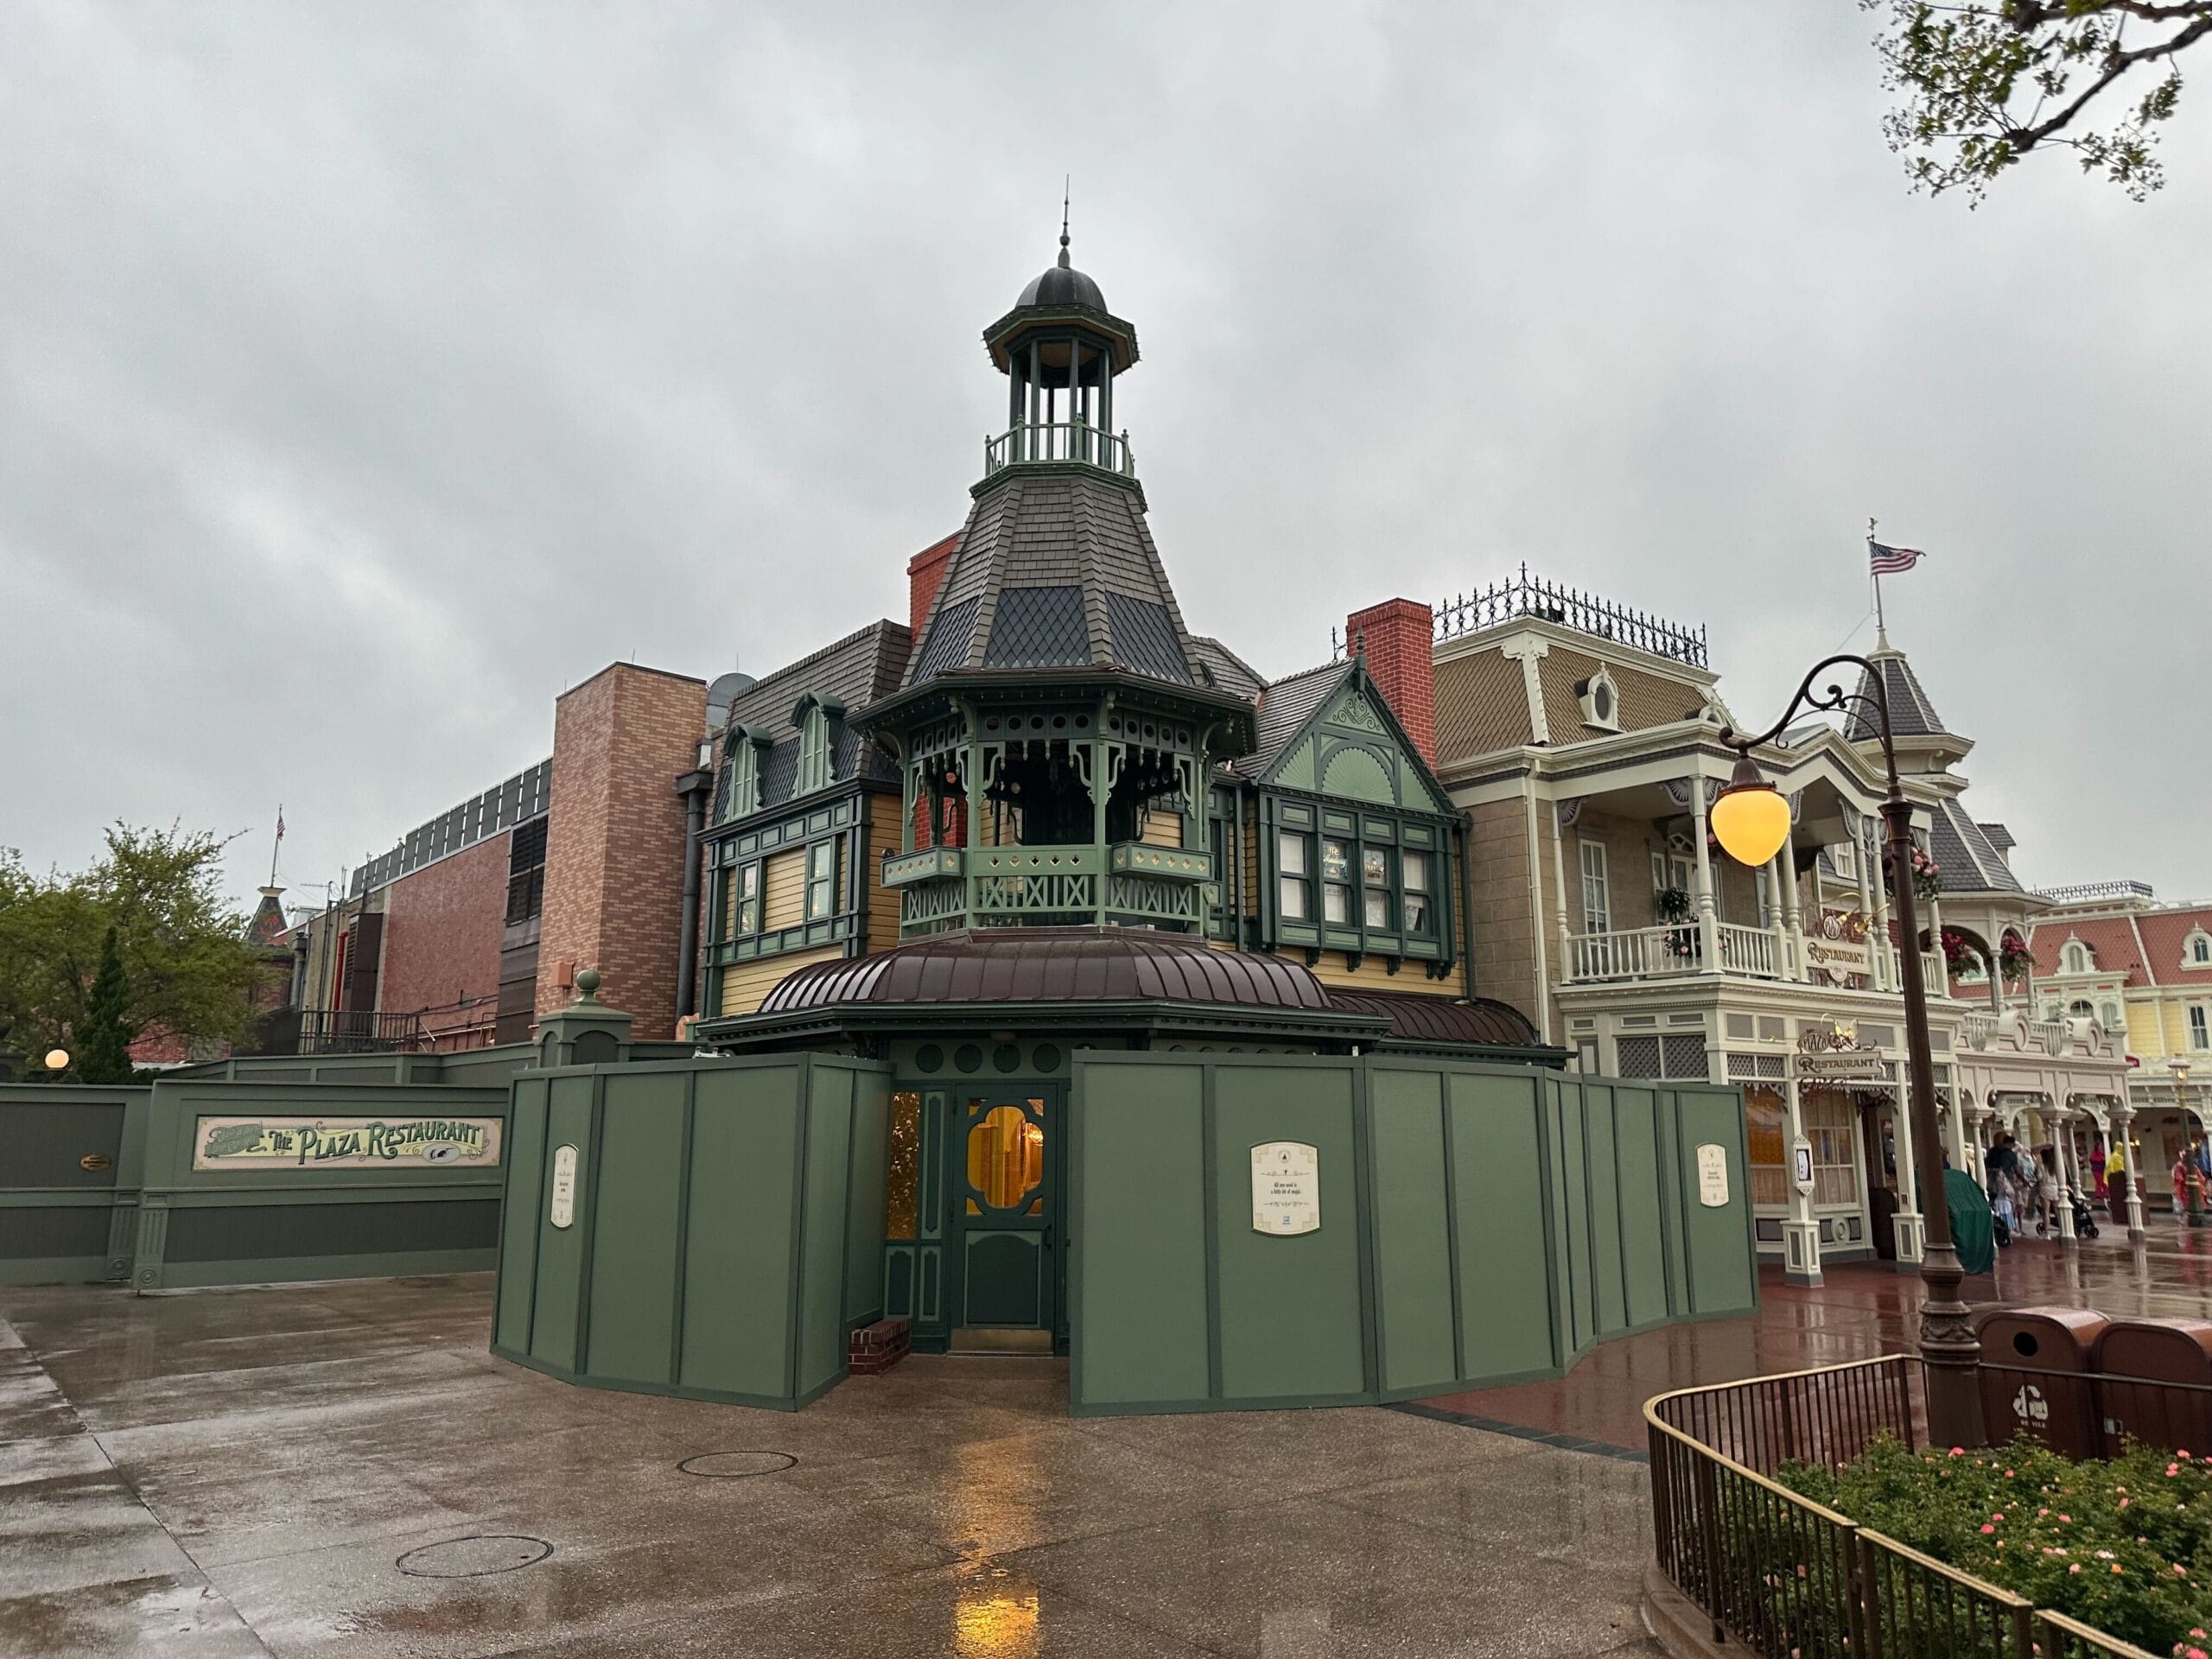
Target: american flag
(1888,560)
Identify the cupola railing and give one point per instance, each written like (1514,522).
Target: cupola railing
(1059,441)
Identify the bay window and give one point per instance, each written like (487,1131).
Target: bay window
(1413,876)
(1336,882)
(1294,866)
(1374,884)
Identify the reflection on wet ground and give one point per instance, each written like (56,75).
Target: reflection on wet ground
(1862,1310)
(340,1469)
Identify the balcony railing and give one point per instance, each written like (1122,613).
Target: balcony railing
(360,1031)
(1675,951)
(1075,440)
(1035,887)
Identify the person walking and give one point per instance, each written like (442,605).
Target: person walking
(2116,1182)
(2047,1192)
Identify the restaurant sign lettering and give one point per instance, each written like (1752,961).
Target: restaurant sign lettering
(344,1142)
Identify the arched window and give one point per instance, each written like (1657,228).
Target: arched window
(2075,958)
(2196,950)
(1601,702)
(2111,1020)
(2080,1009)
(743,795)
(817,719)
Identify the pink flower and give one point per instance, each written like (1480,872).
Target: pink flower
(2076,1567)
(1958,1450)
(2181,1570)
(1987,1528)
(2042,1512)
(1997,1517)
(2124,1502)
(2195,1653)
(2067,1519)
(2104,1554)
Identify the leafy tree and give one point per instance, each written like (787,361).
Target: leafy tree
(1985,82)
(180,944)
(103,1042)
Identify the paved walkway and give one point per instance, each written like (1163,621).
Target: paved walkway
(341,1469)
(1861,1311)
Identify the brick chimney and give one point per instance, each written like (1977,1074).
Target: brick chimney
(925,576)
(1398,637)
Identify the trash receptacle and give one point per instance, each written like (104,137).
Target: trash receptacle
(2035,1364)
(2177,1353)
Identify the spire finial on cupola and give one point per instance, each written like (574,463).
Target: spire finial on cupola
(1066,179)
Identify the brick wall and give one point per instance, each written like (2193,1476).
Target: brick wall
(614,850)
(925,576)
(441,935)
(1398,638)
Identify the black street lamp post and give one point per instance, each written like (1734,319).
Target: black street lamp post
(1751,822)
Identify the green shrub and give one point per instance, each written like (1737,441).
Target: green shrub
(2124,1545)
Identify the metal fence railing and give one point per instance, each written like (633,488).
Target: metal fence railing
(1789,1578)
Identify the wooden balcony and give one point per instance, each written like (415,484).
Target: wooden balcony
(1676,950)
(1129,883)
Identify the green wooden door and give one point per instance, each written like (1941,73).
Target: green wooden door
(1006,1204)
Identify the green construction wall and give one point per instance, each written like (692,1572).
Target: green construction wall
(1480,1224)
(145,1216)
(727,1232)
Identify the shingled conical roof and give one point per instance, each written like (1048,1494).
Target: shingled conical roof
(1057,569)
(1911,715)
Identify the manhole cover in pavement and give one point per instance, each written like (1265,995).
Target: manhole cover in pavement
(473,1557)
(734,1466)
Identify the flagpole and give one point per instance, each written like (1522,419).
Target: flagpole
(277,847)
(1881,622)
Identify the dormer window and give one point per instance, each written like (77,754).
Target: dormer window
(744,755)
(2073,958)
(2196,950)
(817,719)
(1601,702)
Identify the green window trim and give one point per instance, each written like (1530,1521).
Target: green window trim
(1390,896)
(746,879)
(822,880)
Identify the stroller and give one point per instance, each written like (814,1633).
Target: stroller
(2085,1217)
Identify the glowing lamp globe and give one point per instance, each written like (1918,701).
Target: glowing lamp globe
(56,1059)
(1751,820)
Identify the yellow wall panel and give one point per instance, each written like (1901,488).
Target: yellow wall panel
(784,882)
(744,984)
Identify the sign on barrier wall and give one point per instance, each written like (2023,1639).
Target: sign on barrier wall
(344,1142)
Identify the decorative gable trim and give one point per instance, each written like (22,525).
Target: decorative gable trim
(1352,747)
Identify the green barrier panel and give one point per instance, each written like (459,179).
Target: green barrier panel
(1478,1224)
(70,1163)
(258,1183)
(709,1227)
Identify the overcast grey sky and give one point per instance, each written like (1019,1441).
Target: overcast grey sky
(368,373)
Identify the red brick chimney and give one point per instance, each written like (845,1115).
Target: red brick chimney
(925,576)
(1396,637)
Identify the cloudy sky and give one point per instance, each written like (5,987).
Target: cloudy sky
(369,373)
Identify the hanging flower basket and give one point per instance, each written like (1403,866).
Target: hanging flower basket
(2013,960)
(1927,876)
(1956,951)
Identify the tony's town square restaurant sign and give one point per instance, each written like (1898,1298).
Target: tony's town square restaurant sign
(344,1142)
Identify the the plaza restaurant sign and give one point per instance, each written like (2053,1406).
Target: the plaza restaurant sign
(1837,947)
(344,1142)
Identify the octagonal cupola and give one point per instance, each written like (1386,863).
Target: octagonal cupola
(1061,350)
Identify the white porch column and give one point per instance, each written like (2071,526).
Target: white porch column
(2062,1142)
(1566,963)
(1910,1225)
(1878,942)
(1708,920)
(1775,927)
(1955,1132)
(1800,1232)
(1793,916)
(2121,1117)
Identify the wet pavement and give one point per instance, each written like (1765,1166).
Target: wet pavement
(342,1469)
(1862,1310)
